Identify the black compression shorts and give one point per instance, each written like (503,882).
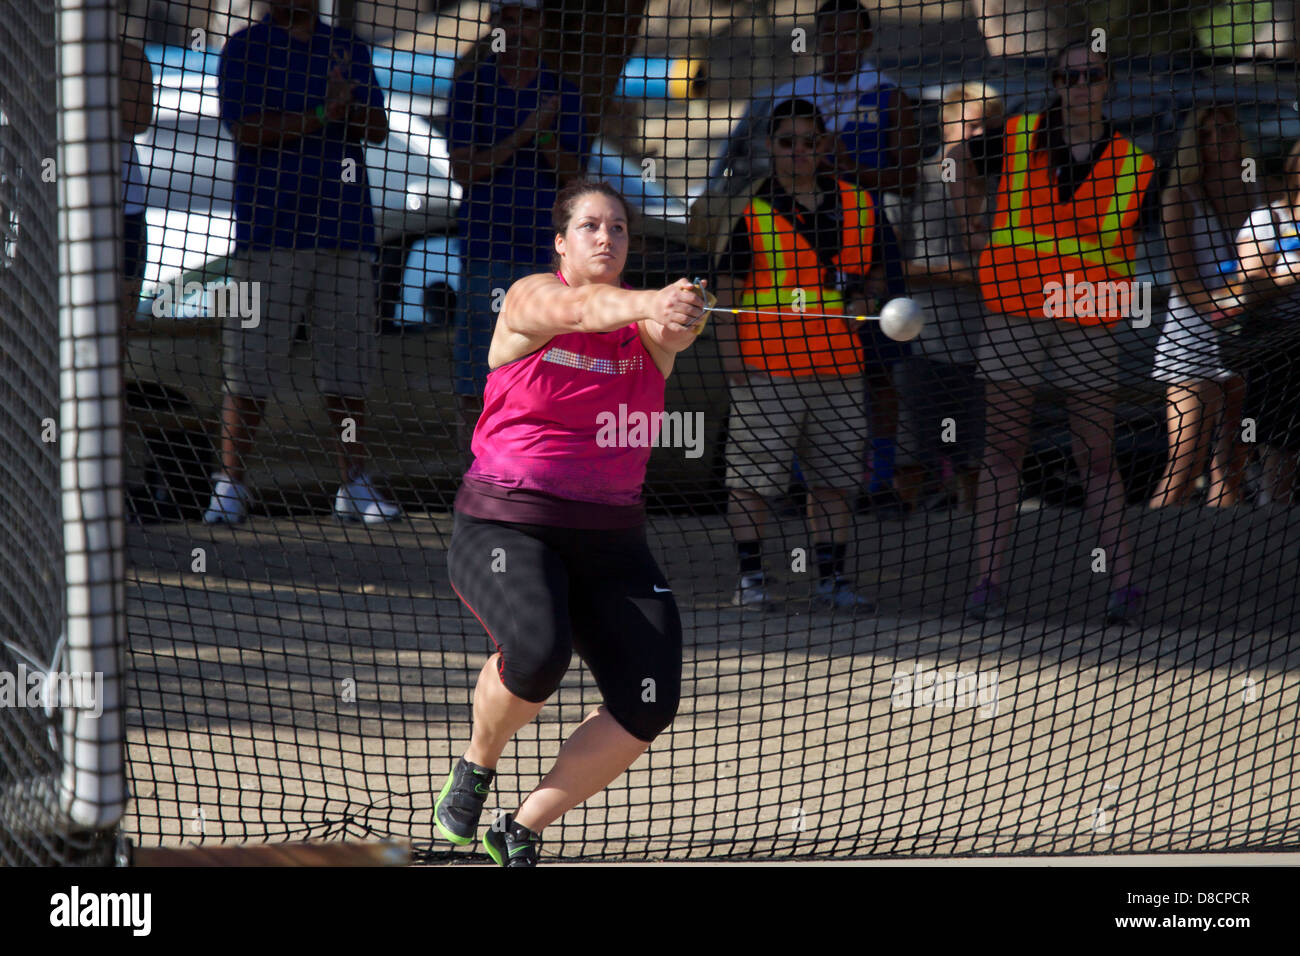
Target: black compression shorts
(543,592)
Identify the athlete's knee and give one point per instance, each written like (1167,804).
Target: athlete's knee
(534,672)
(651,712)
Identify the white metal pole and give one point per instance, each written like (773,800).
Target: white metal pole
(93,792)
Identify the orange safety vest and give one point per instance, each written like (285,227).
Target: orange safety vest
(787,277)
(1048,259)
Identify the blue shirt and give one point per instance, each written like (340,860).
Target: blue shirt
(295,196)
(507,216)
(865,134)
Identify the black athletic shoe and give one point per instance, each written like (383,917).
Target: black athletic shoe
(1125,606)
(460,804)
(509,844)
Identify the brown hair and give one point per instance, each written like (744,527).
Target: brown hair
(833,8)
(562,211)
(795,109)
(1085,46)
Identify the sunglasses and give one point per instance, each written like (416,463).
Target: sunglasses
(1090,76)
(787,142)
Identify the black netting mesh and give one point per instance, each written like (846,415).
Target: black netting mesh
(30,532)
(1022,584)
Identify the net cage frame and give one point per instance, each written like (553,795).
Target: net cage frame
(326,772)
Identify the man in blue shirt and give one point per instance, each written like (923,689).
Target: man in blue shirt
(516,135)
(300,98)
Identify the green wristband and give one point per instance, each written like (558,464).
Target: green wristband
(544,138)
(319,112)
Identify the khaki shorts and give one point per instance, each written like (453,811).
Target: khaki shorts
(331,292)
(1072,357)
(821,420)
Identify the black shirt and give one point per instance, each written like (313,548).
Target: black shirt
(822,229)
(988,149)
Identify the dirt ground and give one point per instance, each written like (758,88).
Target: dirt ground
(314,681)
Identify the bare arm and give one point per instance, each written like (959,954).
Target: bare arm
(567,166)
(543,306)
(942,272)
(1260,277)
(470,165)
(1252,261)
(274,128)
(1175,216)
(663,342)
(136,90)
(904,143)
(968,193)
(367,124)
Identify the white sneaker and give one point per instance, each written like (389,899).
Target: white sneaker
(229,503)
(839,593)
(752,593)
(359,501)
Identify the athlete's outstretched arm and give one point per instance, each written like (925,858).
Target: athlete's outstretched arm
(542,305)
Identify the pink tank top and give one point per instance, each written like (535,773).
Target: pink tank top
(575,419)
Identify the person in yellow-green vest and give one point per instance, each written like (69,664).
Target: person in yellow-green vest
(805,255)
(1056,272)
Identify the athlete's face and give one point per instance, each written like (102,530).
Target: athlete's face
(594,247)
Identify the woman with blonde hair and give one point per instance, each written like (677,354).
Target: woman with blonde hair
(1203,205)
(940,382)
(1065,211)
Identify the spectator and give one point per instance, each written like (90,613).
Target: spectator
(1268,250)
(877,142)
(806,242)
(299,97)
(941,383)
(877,146)
(1065,212)
(136,105)
(517,136)
(1204,204)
